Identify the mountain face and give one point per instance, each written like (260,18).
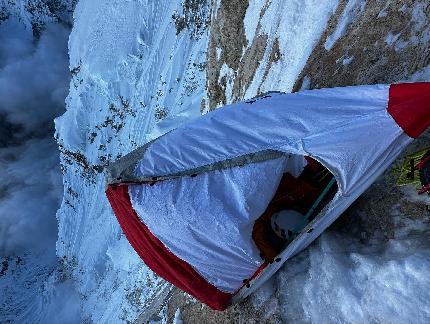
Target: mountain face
(140,68)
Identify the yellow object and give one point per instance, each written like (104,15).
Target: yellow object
(408,173)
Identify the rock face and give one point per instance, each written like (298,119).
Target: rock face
(260,46)
(376,42)
(140,68)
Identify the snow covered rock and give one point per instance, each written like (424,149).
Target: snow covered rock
(137,71)
(139,68)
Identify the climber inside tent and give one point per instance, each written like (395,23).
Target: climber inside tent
(305,188)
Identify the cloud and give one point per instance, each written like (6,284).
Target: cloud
(34,80)
(34,74)
(31,192)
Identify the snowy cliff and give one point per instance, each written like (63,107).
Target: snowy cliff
(140,68)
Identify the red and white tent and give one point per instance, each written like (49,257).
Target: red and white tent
(187,201)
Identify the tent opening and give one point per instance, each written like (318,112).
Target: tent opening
(302,193)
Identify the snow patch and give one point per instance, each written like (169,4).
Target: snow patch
(392,38)
(346,281)
(347,60)
(382,13)
(218,53)
(178,317)
(306,84)
(421,75)
(421,20)
(298,25)
(403,8)
(410,191)
(352,10)
(252,17)
(228,74)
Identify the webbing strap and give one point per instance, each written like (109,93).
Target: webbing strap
(314,206)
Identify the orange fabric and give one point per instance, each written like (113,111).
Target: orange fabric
(262,235)
(292,193)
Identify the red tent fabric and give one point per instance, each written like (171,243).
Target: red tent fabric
(158,257)
(408,104)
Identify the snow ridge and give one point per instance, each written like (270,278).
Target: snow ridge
(136,73)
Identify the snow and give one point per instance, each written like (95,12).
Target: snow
(252,18)
(352,10)
(420,33)
(152,69)
(306,83)
(410,191)
(373,283)
(227,73)
(421,75)
(347,60)
(383,13)
(340,279)
(392,38)
(35,291)
(421,20)
(218,53)
(133,80)
(178,317)
(129,50)
(298,25)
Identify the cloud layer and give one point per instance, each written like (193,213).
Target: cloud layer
(33,74)
(34,80)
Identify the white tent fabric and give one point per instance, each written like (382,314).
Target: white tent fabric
(207,220)
(314,122)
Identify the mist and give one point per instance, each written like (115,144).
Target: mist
(34,80)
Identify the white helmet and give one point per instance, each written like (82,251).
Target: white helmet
(286,222)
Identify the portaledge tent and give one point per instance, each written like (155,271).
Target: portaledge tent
(188,200)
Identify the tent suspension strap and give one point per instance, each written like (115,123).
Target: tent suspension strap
(315,205)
